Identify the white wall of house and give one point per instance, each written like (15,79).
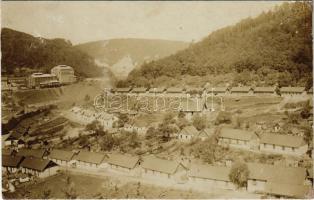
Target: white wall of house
(270,148)
(9,169)
(150,174)
(242,144)
(184,137)
(86,165)
(256,185)
(211,183)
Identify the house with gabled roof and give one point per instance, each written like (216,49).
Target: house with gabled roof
(175,92)
(245,90)
(206,133)
(36,153)
(61,157)
(87,159)
(283,144)
(265,178)
(157,168)
(291,91)
(265,90)
(123,162)
(39,167)
(188,133)
(210,176)
(237,138)
(11,163)
(193,106)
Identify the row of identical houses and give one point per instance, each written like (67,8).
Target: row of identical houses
(263,178)
(271,143)
(183,92)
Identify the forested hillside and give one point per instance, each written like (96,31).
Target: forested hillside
(275,47)
(123,55)
(21,51)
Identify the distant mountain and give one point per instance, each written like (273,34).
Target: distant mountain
(275,47)
(23,53)
(123,55)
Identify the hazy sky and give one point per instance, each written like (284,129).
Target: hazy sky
(90,21)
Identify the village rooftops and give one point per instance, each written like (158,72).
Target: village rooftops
(190,105)
(37,164)
(282,140)
(220,173)
(194,89)
(287,190)
(265,89)
(126,161)
(61,155)
(139,90)
(277,174)
(11,161)
(128,89)
(237,134)
(292,89)
(160,165)
(89,157)
(37,153)
(189,130)
(157,90)
(41,75)
(241,89)
(7,152)
(217,89)
(175,90)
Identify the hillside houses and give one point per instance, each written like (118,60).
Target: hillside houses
(11,163)
(156,168)
(291,91)
(209,176)
(187,133)
(88,160)
(219,91)
(206,133)
(283,144)
(39,167)
(277,181)
(123,163)
(241,91)
(157,91)
(175,92)
(265,90)
(237,138)
(61,157)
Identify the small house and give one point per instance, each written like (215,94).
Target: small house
(123,162)
(157,91)
(156,168)
(292,91)
(241,90)
(36,153)
(139,91)
(175,92)
(87,160)
(39,167)
(187,133)
(264,90)
(61,157)
(122,90)
(237,138)
(210,176)
(206,133)
(11,163)
(283,144)
(195,91)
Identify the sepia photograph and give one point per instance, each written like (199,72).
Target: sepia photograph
(157,100)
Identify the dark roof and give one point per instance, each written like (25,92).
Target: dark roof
(157,90)
(282,140)
(292,89)
(90,157)
(7,151)
(122,160)
(61,154)
(37,164)
(189,130)
(174,90)
(139,90)
(240,89)
(287,190)
(11,161)
(38,153)
(239,134)
(160,165)
(210,172)
(264,89)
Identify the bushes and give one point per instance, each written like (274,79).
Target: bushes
(239,174)
(223,118)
